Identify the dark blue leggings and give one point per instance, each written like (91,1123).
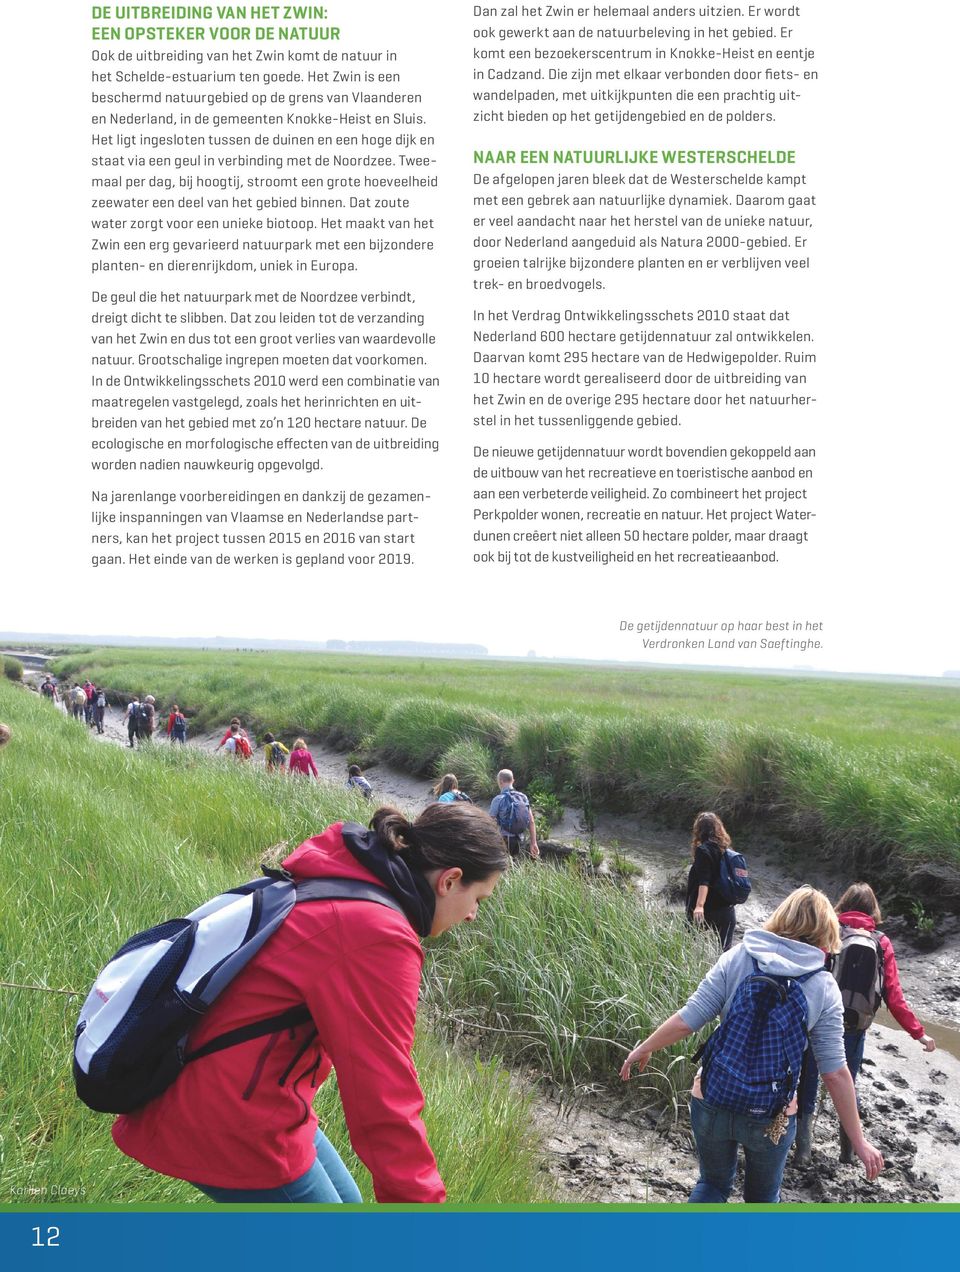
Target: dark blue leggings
(853,1041)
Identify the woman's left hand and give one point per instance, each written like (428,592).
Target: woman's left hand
(639,1057)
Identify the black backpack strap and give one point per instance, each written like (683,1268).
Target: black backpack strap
(307,890)
(258,1029)
(346,890)
(277,872)
(301,1051)
(776,982)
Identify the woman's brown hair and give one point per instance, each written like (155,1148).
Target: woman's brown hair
(708,826)
(860,897)
(447,783)
(443,836)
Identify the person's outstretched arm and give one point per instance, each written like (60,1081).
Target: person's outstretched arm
(673,1030)
(841,1090)
(895,999)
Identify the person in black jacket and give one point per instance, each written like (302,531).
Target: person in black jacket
(704,902)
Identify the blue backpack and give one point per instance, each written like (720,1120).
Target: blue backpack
(130,1040)
(751,1063)
(733,882)
(513,812)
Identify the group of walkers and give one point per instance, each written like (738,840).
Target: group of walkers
(510,808)
(279,758)
(87,702)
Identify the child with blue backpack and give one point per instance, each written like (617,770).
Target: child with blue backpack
(771,992)
(447,791)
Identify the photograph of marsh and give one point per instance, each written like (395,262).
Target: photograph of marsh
(527,1014)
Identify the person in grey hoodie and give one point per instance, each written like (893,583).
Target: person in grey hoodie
(792,943)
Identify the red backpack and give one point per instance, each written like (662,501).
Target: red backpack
(243,747)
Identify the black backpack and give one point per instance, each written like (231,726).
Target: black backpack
(858,970)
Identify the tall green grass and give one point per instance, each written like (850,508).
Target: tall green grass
(847,710)
(99,842)
(417,732)
(474,765)
(847,762)
(565,976)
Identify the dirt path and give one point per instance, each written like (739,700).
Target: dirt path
(602,1148)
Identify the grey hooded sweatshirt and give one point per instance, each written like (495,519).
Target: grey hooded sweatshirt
(777,956)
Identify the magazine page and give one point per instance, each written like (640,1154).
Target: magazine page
(535,421)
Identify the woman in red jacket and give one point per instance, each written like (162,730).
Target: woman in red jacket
(239,1123)
(859,908)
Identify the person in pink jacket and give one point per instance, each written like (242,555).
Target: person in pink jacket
(238,1123)
(859,908)
(301,761)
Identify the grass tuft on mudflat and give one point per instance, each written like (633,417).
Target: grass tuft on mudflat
(564,976)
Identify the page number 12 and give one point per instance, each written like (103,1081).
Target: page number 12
(52,1237)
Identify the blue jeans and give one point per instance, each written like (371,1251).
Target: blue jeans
(853,1041)
(326,1182)
(719,1134)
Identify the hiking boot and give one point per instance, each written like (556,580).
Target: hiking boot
(846,1148)
(803,1144)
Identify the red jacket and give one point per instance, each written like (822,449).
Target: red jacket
(233,1120)
(892,992)
(301,761)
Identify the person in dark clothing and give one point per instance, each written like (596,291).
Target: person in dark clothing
(99,708)
(704,902)
(132,720)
